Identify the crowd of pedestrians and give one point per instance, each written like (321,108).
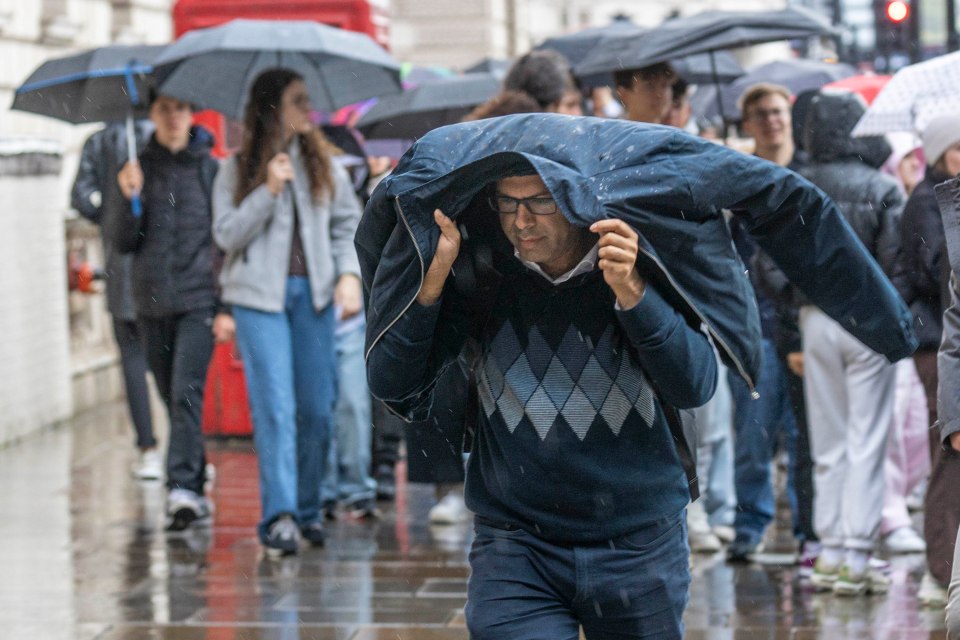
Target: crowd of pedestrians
(260,249)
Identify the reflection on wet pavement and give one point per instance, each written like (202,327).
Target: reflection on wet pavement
(84,556)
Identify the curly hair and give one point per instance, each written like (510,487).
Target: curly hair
(263,138)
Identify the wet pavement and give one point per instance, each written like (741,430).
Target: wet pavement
(83,556)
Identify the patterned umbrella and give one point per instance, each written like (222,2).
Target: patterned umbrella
(916,94)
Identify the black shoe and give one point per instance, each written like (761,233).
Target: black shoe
(329,509)
(386,482)
(363,509)
(743,547)
(315,534)
(283,537)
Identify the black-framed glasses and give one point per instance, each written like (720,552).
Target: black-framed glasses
(537,205)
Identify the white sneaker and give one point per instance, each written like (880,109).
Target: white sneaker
(450,510)
(701,537)
(149,465)
(184,508)
(931,593)
(904,540)
(725,533)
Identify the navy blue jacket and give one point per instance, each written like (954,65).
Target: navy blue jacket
(670,186)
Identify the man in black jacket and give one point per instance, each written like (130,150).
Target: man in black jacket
(97,198)
(174,287)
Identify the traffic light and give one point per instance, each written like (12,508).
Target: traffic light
(892,20)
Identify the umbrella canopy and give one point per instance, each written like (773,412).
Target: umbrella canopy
(701,33)
(413,74)
(867,85)
(497,66)
(797,75)
(416,111)
(99,85)
(214,68)
(914,96)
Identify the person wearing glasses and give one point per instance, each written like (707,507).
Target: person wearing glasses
(575,324)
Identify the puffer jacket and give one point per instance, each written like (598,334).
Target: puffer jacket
(846,169)
(923,254)
(174,259)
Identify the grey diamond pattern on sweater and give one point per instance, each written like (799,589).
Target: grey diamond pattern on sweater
(580,382)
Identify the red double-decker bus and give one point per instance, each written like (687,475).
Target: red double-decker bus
(366,16)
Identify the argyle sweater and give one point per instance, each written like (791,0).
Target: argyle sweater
(572,444)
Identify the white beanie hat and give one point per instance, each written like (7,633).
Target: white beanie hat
(941,133)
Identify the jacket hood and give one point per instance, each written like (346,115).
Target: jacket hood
(670,186)
(831,116)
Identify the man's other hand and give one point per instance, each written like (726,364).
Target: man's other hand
(618,260)
(448,247)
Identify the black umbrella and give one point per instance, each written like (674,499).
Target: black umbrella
(416,111)
(577,46)
(214,67)
(703,33)
(496,66)
(797,75)
(100,85)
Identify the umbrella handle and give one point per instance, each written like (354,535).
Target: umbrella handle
(136,206)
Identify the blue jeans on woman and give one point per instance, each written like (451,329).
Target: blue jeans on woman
(290,368)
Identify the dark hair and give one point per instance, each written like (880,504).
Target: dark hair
(627,77)
(262,136)
(678,90)
(504,103)
(544,74)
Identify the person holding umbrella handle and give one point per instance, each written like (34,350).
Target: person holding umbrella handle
(285,214)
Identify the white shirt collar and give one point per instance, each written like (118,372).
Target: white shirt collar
(587,264)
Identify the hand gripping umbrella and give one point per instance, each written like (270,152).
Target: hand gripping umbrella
(214,68)
(99,85)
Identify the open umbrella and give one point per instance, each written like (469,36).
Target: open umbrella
(797,75)
(425,107)
(99,85)
(496,66)
(914,96)
(702,33)
(214,68)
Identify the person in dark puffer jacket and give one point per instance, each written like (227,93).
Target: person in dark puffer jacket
(849,387)
(174,287)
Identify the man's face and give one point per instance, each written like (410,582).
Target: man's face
(768,121)
(650,97)
(548,240)
(569,104)
(172,118)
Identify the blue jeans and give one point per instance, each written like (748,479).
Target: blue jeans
(348,462)
(289,363)
(524,588)
(760,425)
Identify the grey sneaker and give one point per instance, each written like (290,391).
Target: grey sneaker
(184,508)
(872,580)
(283,537)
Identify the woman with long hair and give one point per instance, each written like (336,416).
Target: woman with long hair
(285,214)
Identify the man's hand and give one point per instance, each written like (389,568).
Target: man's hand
(224,328)
(347,296)
(618,260)
(795,363)
(130,179)
(279,173)
(955,440)
(448,247)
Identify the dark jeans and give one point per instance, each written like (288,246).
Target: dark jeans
(178,350)
(803,472)
(133,361)
(525,588)
(387,436)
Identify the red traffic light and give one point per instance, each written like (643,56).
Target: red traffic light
(898,10)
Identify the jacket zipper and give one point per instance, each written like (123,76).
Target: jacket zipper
(396,204)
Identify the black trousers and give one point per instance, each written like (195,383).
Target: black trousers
(133,362)
(178,349)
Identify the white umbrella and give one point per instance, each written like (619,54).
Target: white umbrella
(914,96)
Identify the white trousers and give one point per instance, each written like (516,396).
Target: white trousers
(849,391)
